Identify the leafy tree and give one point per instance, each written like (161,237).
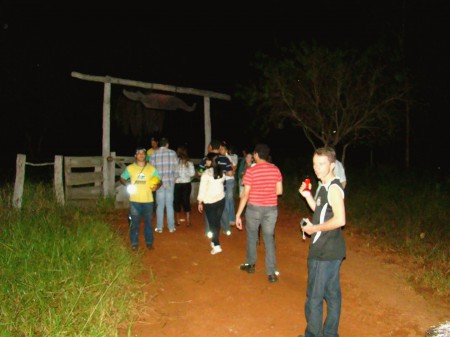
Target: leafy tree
(337,97)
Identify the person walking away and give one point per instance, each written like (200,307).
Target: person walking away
(327,247)
(224,162)
(165,161)
(141,180)
(211,197)
(183,186)
(263,183)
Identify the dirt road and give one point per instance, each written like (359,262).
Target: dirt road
(196,294)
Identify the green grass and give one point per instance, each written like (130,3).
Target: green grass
(64,272)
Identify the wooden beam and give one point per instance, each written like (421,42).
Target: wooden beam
(155,86)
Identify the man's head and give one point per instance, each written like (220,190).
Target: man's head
(164,142)
(154,142)
(214,146)
(223,150)
(324,162)
(140,153)
(261,151)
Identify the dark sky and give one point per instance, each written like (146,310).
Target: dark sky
(208,47)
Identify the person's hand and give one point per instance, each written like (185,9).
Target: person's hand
(304,190)
(200,207)
(308,228)
(238,222)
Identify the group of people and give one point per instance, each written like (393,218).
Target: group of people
(158,175)
(261,185)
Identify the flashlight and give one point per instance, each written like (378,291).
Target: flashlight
(131,188)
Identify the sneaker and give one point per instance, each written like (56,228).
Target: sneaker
(272,278)
(228,233)
(209,235)
(157,230)
(216,249)
(249,268)
(150,247)
(172,230)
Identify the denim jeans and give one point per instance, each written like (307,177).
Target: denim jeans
(138,209)
(213,213)
(229,200)
(323,284)
(164,199)
(266,216)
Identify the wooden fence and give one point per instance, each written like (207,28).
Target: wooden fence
(83,179)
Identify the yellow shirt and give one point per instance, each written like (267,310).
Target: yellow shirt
(144,178)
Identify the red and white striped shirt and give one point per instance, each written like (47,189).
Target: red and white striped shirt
(262,179)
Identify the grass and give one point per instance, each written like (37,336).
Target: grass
(64,272)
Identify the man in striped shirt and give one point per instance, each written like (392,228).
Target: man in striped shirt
(263,183)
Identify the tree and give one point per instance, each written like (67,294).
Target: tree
(339,97)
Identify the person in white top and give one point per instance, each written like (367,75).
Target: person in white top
(183,186)
(211,197)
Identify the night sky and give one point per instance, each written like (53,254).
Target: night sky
(209,47)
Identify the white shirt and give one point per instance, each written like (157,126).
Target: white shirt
(210,190)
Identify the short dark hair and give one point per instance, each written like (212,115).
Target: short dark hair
(215,144)
(263,151)
(163,141)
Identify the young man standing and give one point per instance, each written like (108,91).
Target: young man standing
(327,247)
(141,180)
(165,161)
(262,186)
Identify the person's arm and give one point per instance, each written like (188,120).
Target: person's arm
(125,177)
(279,188)
(242,203)
(336,200)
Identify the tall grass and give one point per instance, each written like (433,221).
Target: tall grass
(64,271)
(405,213)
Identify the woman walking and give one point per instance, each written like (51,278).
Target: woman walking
(211,197)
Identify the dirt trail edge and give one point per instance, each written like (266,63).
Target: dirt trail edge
(191,293)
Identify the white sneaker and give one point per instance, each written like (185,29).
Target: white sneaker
(216,249)
(228,233)
(157,230)
(209,235)
(172,230)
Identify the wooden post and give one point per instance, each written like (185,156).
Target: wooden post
(20,178)
(106,148)
(58,180)
(207,122)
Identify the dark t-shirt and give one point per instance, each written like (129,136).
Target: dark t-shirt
(223,161)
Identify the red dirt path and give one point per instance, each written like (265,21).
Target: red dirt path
(196,294)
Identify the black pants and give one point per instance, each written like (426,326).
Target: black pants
(214,213)
(182,197)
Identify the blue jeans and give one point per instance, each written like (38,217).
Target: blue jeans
(164,199)
(229,200)
(323,284)
(266,216)
(138,209)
